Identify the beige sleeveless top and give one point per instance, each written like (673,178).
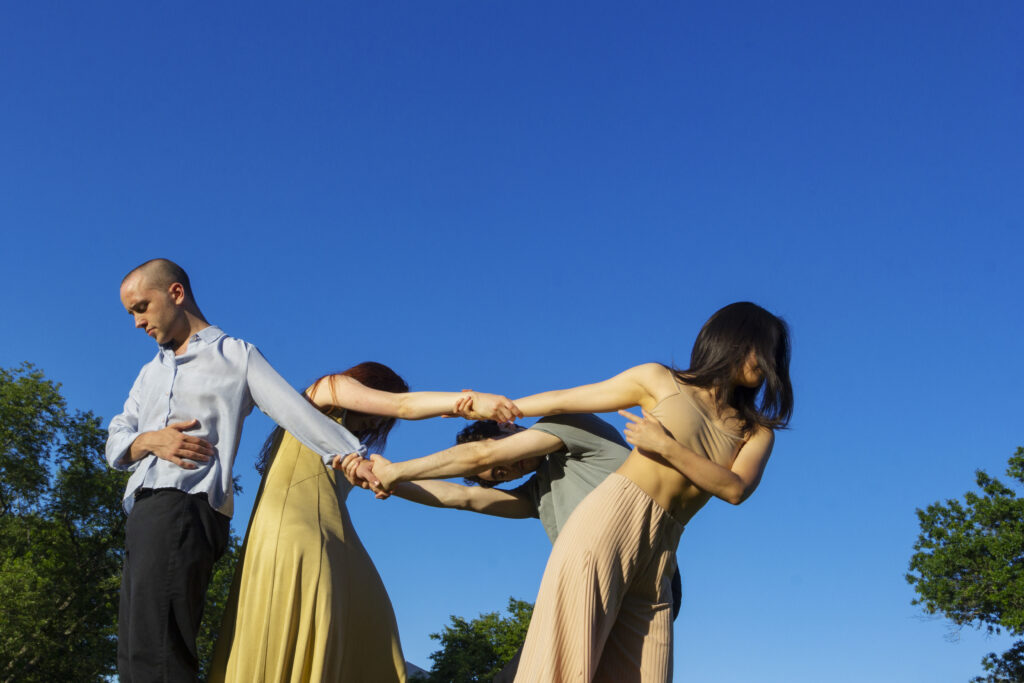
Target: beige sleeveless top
(689,423)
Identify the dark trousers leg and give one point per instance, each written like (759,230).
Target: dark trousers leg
(171,542)
(677,593)
(508,672)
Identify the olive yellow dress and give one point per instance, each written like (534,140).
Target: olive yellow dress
(306,604)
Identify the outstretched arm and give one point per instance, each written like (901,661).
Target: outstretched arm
(445,494)
(465,459)
(346,392)
(625,390)
(286,407)
(733,485)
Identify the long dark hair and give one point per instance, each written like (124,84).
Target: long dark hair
(371,374)
(722,348)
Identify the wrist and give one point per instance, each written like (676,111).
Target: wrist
(386,475)
(138,449)
(663,444)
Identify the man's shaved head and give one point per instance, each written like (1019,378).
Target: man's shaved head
(161,273)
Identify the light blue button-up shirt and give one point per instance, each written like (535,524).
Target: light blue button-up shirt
(217,380)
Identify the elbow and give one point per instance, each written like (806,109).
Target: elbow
(482,455)
(464,503)
(403,409)
(737,494)
(457,497)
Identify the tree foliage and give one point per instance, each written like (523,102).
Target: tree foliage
(61,531)
(476,650)
(62,539)
(968,564)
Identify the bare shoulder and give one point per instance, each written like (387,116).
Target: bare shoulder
(327,390)
(656,379)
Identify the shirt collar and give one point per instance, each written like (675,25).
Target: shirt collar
(207,335)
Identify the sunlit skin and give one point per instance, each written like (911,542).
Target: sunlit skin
(362,473)
(511,455)
(676,477)
(162,313)
(658,461)
(515,453)
(166,315)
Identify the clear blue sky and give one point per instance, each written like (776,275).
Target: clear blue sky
(519,196)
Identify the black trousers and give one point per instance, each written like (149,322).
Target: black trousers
(172,540)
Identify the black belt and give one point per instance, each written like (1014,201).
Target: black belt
(146,493)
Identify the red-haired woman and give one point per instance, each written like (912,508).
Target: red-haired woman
(307,603)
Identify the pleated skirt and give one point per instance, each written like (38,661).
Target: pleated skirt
(604,610)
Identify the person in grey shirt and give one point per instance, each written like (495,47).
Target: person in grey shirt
(178,435)
(568,456)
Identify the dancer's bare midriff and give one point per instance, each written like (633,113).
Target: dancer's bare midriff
(665,485)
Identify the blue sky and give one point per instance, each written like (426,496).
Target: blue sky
(522,196)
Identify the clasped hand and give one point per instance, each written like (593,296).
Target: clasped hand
(360,472)
(477,405)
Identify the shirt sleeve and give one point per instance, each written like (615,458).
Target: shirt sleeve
(124,429)
(285,406)
(582,433)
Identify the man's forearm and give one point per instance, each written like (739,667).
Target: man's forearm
(138,449)
(445,494)
(459,461)
(438,494)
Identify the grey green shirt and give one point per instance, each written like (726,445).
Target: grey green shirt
(593,450)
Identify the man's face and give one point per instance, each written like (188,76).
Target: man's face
(157,311)
(520,468)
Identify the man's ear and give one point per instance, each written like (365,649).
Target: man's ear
(177,292)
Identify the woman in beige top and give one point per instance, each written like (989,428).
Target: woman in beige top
(604,607)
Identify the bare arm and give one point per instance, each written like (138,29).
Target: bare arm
(346,392)
(469,458)
(445,494)
(733,485)
(625,390)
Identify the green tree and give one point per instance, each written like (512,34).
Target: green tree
(62,540)
(477,650)
(968,564)
(61,530)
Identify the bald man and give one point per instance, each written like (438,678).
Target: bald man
(178,435)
